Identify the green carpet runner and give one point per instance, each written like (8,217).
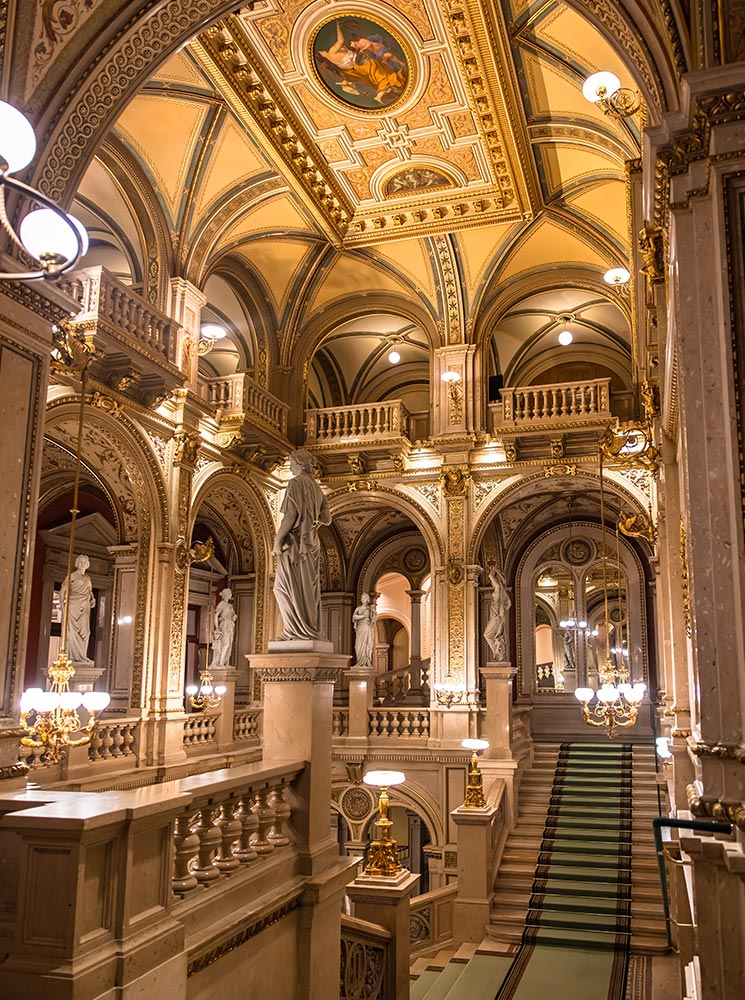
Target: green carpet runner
(578,927)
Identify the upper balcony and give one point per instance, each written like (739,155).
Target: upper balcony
(551,406)
(367,426)
(252,420)
(138,343)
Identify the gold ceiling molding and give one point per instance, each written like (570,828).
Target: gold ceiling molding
(676,42)
(237,55)
(223,47)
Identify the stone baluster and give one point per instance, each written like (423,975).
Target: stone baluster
(265,816)
(282,812)
(249,825)
(209,837)
(230,828)
(187,845)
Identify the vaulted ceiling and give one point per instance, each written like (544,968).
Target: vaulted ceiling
(329,194)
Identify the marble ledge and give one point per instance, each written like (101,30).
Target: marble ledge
(69,810)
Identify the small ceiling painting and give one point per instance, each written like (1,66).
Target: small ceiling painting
(415,179)
(360,62)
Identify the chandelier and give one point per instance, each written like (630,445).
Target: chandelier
(56,241)
(50,718)
(617,701)
(206,694)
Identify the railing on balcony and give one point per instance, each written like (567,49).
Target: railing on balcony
(399,723)
(239,394)
(114,739)
(200,730)
(371,423)
(536,405)
(103,298)
(247,724)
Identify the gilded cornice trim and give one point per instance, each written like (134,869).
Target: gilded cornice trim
(724,751)
(721,810)
(676,42)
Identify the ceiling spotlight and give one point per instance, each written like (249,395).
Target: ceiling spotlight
(450,376)
(600,87)
(617,276)
(566,337)
(394,357)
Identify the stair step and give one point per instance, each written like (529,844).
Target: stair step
(419,985)
(444,982)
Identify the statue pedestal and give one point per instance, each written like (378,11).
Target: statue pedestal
(475,867)
(227,675)
(497,724)
(298,712)
(361,682)
(300,646)
(85,676)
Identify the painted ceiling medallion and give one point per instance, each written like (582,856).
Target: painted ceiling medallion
(361,62)
(411,180)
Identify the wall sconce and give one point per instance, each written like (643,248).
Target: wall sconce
(55,240)
(475,789)
(382,858)
(605,90)
(617,276)
(209,334)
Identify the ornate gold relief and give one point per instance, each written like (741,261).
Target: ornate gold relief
(725,751)
(186,446)
(719,810)
(631,445)
(651,244)
(650,394)
(106,403)
(455,481)
(637,526)
(362,485)
(199,552)
(560,469)
(684,579)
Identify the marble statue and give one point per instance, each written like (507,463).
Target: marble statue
(223,629)
(364,619)
(297,584)
(495,632)
(78,589)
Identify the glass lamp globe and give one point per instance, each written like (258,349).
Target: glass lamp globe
(583,694)
(394,357)
(213,331)
(384,779)
(17,139)
(475,744)
(600,85)
(45,234)
(565,338)
(617,276)
(450,376)
(96,701)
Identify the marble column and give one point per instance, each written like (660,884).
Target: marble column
(244,599)
(415,597)
(361,684)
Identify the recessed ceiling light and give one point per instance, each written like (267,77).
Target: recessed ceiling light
(450,376)
(599,86)
(565,338)
(617,276)
(211,331)
(394,357)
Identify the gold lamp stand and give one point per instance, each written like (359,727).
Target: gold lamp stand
(382,858)
(475,789)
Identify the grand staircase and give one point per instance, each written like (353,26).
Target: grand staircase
(580,896)
(578,878)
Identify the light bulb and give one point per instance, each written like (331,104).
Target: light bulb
(565,338)
(212,331)
(583,694)
(600,85)
(450,376)
(47,701)
(17,139)
(475,744)
(70,700)
(30,699)
(617,276)
(220,689)
(384,779)
(394,357)
(45,234)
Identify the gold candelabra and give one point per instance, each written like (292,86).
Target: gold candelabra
(382,858)
(475,789)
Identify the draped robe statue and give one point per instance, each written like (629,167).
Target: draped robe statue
(224,629)
(297,584)
(495,632)
(78,590)
(364,619)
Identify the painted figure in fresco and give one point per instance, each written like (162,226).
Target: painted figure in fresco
(364,619)
(366,62)
(224,629)
(495,632)
(78,589)
(297,583)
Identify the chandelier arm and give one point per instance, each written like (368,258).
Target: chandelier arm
(4,220)
(49,270)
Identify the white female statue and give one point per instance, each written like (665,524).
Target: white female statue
(78,589)
(495,632)
(364,619)
(297,583)
(223,629)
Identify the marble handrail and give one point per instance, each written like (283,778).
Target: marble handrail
(399,723)
(240,394)
(365,961)
(431,918)
(365,422)
(538,405)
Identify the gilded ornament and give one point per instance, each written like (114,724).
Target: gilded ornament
(455,481)
(362,485)
(559,469)
(650,394)
(652,248)
(106,403)
(186,446)
(631,444)
(724,751)
(720,810)
(197,553)
(684,588)
(637,526)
